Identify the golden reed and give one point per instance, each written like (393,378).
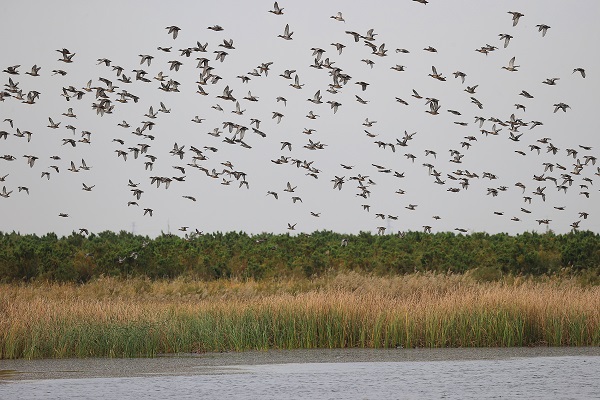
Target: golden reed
(141,318)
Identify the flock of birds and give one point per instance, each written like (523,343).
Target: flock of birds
(133,141)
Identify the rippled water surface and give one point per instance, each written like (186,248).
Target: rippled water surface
(538,373)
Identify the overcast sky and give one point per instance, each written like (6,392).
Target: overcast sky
(122,31)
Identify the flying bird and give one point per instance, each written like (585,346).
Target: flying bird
(511,65)
(276,10)
(543,28)
(581,71)
(338,17)
(287,35)
(172,30)
(515,17)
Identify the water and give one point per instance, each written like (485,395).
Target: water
(532,373)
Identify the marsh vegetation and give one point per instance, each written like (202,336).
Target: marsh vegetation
(114,317)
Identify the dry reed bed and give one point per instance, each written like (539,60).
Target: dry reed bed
(119,318)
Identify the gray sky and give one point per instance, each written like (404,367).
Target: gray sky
(122,31)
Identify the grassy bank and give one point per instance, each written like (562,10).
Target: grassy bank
(136,317)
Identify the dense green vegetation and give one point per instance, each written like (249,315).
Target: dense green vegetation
(78,258)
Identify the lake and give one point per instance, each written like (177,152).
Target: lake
(497,373)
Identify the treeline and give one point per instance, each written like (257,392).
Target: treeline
(79,258)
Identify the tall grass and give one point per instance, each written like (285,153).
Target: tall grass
(132,318)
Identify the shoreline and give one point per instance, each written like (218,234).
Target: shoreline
(232,362)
